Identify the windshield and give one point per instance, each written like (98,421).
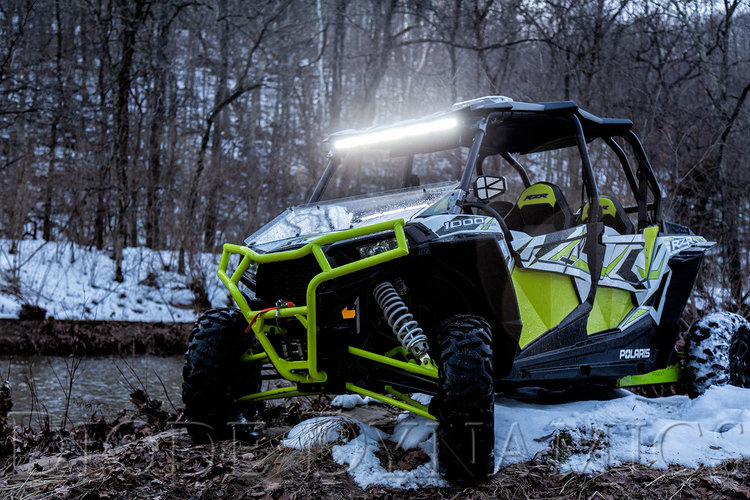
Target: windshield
(297,223)
(370,171)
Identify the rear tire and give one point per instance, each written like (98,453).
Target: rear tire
(466,401)
(739,357)
(213,377)
(716,352)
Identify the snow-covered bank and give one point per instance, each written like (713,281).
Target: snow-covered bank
(74,282)
(579,436)
(657,432)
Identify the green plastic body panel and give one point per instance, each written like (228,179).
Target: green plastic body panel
(663,376)
(544,299)
(611,306)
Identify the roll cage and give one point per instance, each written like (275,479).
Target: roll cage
(496,125)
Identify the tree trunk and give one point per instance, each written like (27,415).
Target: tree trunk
(49,182)
(132,15)
(337,64)
(159,89)
(209,228)
(383,45)
(105,153)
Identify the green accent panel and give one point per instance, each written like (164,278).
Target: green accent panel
(544,299)
(648,249)
(611,305)
(582,265)
(642,272)
(607,206)
(395,402)
(538,194)
(654,273)
(566,250)
(306,370)
(608,269)
(662,376)
(636,314)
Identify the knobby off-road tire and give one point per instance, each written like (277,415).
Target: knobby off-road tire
(716,352)
(466,401)
(213,377)
(739,356)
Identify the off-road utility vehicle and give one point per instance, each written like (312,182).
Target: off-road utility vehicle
(430,259)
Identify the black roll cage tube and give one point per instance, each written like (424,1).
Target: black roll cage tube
(331,166)
(646,179)
(519,168)
(471,160)
(589,179)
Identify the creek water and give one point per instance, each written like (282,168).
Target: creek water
(42,384)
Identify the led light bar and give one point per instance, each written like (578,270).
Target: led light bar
(395,133)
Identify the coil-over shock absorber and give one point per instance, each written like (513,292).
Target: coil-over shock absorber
(402,322)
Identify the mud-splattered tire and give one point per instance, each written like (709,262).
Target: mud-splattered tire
(739,357)
(465,403)
(709,352)
(213,377)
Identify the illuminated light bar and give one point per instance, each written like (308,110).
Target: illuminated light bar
(395,133)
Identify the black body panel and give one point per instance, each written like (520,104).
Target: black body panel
(598,357)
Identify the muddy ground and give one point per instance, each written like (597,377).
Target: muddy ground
(143,452)
(91,338)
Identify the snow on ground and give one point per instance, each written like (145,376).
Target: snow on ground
(349,401)
(358,454)
(318,431)
(74,282)
(628,428)
(581,436)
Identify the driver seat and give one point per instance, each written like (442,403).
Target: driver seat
(541,209)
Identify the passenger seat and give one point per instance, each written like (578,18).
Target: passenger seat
(613,215)
(540,209)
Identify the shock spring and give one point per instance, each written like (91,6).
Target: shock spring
(401,321)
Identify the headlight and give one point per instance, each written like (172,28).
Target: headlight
(252,268)
(377,247)
(248,277)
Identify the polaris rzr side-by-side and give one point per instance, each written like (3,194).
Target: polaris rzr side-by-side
(496,245)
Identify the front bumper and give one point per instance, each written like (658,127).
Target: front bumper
(306,370)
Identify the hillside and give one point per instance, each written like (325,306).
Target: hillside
(71,282)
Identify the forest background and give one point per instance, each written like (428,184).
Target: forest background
(181,124)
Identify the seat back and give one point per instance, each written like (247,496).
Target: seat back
(613,215)
(541,208)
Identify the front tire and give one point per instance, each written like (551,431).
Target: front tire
(466,401)
(716,352)
(213,377)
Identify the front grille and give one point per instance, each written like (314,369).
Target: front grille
(285,280)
